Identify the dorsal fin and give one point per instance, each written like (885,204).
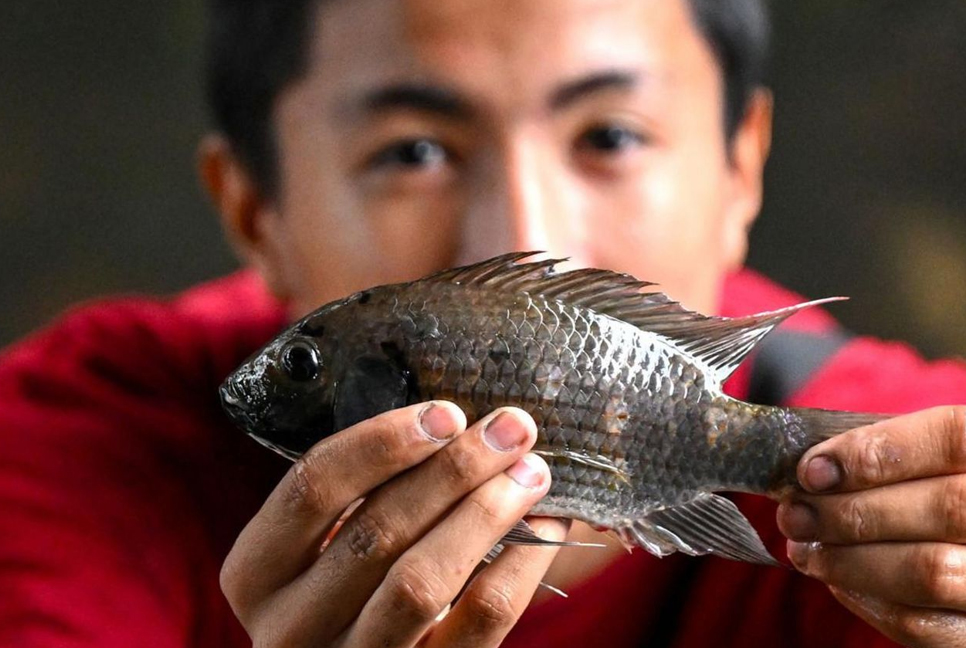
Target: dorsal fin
(720,342)
(723,342)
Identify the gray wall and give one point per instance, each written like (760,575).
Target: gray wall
(100,109)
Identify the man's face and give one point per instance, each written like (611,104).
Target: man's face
(428,134)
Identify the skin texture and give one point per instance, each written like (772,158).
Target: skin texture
(586,128)
(884,521)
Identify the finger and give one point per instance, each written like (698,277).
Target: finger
(430,575)
(931,575)
(923,510)
(284,537)
(910,626)
(924,444)
(329,594)
(494,601)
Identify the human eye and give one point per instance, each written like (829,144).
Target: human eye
(411,154)
(610,139)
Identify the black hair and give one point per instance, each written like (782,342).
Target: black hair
(257,47)
(738,32)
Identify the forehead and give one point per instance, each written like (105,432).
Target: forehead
(513,49)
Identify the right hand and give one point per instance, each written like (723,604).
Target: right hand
(438,496)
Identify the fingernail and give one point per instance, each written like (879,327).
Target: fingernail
(505,432)
(527,471)
(798,554)
(800,521)
(822,474)
(438,422)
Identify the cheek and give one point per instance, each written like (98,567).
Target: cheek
(343,237)
(666,226)
(414,232)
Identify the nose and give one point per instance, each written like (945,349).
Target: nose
(524,200)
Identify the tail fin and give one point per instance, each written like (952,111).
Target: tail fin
(821,424)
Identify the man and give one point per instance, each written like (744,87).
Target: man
(373,141)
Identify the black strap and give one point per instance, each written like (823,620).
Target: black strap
(786,360)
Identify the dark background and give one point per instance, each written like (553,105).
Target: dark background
(101,108)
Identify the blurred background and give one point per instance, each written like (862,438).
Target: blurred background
(101,107)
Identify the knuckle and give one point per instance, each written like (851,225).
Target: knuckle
(460,466)
(371,537)
(488,508)
(391,430)
(956,420)
(267,635)
(945,574)
(415,590)
(911,627)
(876,459)
(228,580)
(270,631)
(491,607)
(860,521)
(308,488)
(243,598)
(953,430)
(953,508)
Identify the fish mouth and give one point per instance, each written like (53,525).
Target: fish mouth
(237,406)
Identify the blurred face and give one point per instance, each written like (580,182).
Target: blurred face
(428,134)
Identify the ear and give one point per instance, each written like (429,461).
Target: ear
(250,222)
(749,152)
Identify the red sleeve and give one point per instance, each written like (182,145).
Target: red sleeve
(120,489)
(889,377)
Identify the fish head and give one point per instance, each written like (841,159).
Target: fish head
(283,395)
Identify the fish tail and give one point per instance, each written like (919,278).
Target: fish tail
(821,425)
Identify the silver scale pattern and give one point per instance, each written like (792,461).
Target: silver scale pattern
(593,384)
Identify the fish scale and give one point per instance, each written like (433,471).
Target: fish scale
(624,387)
(592,377)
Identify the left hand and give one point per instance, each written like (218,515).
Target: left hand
(883,524)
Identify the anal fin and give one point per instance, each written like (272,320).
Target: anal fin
(708,524)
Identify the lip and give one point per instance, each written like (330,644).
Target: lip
(231,397)
(236,405)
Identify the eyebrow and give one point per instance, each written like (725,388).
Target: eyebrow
(572,91)
(442,101)
(415,96)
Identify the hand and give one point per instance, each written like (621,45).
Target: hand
(886,534)
(438,496)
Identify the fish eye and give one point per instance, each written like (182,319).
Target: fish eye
(300,360)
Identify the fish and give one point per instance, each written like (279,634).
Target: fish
(624,384)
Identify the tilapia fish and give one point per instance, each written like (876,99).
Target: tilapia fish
(624,385)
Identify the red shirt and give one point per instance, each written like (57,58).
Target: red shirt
(122,488)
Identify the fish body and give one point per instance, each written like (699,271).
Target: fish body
(624,387)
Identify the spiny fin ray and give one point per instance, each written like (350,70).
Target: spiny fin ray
(720,342)
(523,534)
(598,462)
(497,549)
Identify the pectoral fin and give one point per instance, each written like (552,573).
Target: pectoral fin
(593,461)
(497,549)
(708,524)
(523,534)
